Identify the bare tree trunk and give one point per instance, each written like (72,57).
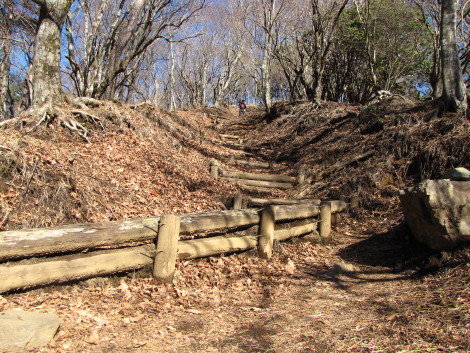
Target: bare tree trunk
(266,75)
(156,93)
(45,69)
(172,78)
(5,75)
(5,49)
(269,17)
(204,79)
(453,86)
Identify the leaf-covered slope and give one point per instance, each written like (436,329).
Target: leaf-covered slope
(141,162)
(367,151)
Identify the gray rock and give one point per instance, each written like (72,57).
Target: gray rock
(457,174)
(342,267)
(438,212)
(22,331)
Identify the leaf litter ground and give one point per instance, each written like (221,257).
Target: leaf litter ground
(398,296)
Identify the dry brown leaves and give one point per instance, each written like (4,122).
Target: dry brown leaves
(135,169)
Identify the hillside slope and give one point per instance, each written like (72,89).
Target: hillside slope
(141,162)
(397,295)
(371,152)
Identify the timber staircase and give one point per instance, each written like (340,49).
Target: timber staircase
(257,177)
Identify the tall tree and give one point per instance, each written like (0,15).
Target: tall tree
(431,19)
(454,93)
(6,31)
(45,69)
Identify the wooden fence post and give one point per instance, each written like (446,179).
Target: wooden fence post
(354,203)
(167,246)
(325,222)
(266,232)
(214,169)
(301,176)
(238,202)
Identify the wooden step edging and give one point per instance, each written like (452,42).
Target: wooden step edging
(59,269)
(254,164)
(255,179)
(238,147)
(253,201)
(255,176)
(260,183)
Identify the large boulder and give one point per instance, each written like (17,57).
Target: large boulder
(23,331)
(438,212)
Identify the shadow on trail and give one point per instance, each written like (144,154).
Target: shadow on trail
(384,257)
(394,249)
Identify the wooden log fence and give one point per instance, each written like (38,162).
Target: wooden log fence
(29,273)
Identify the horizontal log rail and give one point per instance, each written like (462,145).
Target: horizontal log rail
(74,267)
(26,274)
(19,244)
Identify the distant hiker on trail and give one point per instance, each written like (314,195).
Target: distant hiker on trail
(241,107)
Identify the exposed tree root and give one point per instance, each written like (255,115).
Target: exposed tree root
(84,102)
(77,121)
(382,95)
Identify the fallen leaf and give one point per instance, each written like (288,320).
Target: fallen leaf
(101,321)
(392,317)
(290,267)
(125,289)
(194,311)
(94,338)
(66,345)
(136,318)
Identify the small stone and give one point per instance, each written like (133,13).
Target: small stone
(22,331)
(342,267)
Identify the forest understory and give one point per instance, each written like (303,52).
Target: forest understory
(143,162)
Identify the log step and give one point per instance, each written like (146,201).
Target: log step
(255,190)
(263,202)
(254,176)
(230,137)
(254,164)
(241,147)
(260,183)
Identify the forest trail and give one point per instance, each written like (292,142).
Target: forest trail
(366,291)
